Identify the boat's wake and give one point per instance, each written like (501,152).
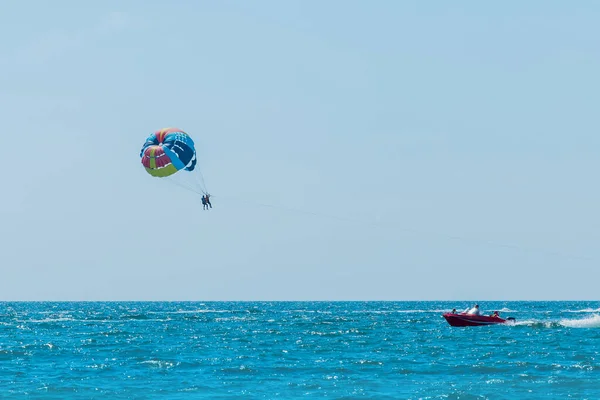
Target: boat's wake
(592,321)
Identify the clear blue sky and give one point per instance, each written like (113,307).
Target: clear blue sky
(438,132)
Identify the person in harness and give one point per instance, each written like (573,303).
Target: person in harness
(206,201)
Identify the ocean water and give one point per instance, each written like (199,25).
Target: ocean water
(337,350)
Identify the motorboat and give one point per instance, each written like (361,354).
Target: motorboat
(464,319)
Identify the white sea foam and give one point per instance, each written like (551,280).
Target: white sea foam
(530,322)
(159,363)
(585,310)
(47,320)
(592,321)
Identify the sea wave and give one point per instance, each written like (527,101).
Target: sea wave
(585,310)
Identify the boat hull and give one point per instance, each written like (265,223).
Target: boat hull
(472,320)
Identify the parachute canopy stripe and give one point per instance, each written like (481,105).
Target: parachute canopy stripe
(156,157)
(176,157)
(178,137)
(160,135)
(162,172)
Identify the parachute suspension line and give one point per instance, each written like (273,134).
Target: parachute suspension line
(376,224)
(181,185)
(200,180)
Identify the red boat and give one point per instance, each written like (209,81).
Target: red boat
(463,319)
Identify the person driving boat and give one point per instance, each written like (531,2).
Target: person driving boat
(474,310)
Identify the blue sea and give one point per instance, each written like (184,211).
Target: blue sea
(336,350)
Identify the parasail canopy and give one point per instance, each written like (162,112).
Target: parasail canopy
(168,151)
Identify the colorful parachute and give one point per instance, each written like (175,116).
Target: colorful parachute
(171,150)
(168,151)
